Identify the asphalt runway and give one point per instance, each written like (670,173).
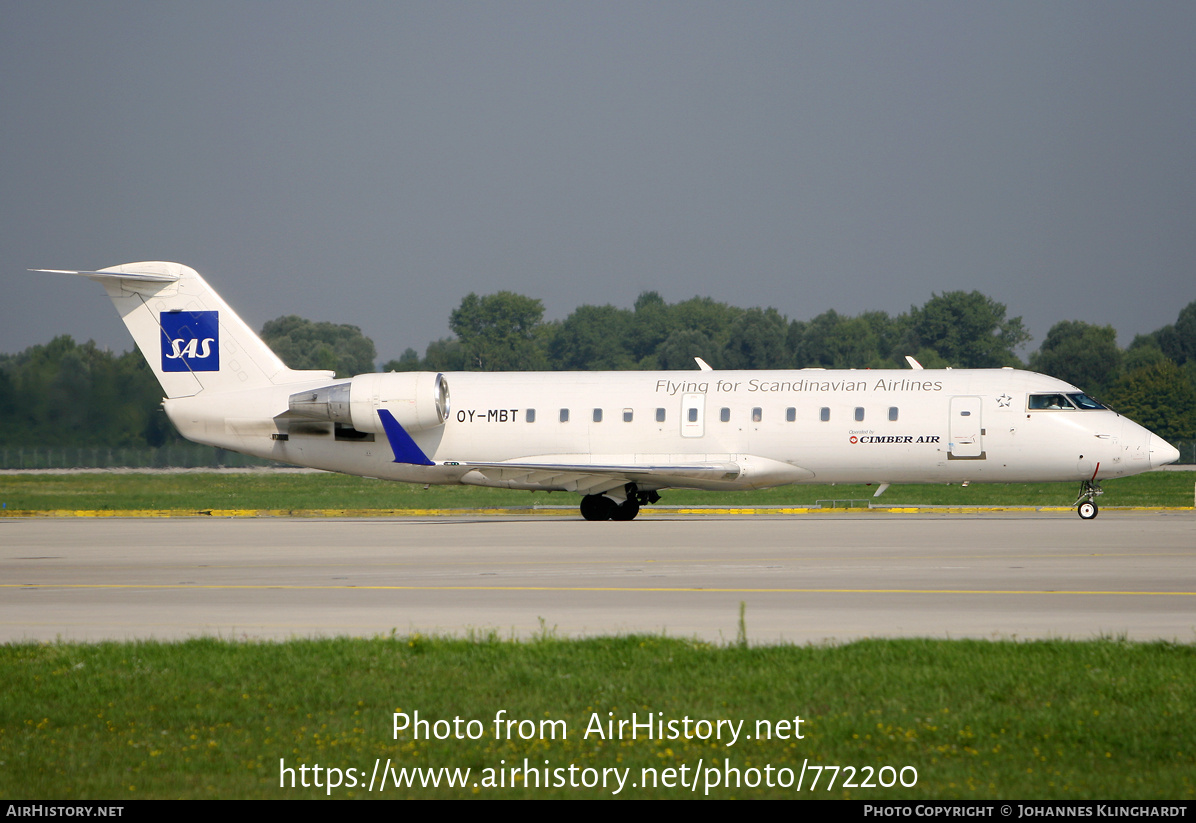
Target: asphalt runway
(806,578)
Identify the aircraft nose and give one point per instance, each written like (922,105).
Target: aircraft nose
(1161,452)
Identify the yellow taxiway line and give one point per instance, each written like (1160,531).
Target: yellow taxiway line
(562,511)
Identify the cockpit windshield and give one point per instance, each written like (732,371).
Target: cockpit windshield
(1069,402)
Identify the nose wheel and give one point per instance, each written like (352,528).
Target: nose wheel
(1086,502)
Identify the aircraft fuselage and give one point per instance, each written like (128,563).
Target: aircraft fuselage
(928,426)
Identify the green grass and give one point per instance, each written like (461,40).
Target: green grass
(983,720)
(202,491)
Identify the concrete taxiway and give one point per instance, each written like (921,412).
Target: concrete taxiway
(801,578)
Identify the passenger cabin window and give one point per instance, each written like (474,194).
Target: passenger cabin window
(825,414)
(724,414)
(564,415)
(859,413)
(757,414)
(660,415)
(530,415)
(790,414)
(627,415)
(597,415)
(693,414)
(893,413)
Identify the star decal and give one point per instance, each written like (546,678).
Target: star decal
(1003,401)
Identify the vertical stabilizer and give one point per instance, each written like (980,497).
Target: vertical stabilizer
(189,336)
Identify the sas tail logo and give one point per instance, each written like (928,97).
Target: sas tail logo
(190,340)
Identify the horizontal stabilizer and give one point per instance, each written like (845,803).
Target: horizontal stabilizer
(112,275)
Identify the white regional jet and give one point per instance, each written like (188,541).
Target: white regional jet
(617,438)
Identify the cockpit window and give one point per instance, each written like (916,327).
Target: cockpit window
(1069,401)
(1049,401)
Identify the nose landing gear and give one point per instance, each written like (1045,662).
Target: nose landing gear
(1086,502)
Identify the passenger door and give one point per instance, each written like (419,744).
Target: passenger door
(965,431)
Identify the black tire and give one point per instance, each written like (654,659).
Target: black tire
(597,507)
(626,510)
(1087,510)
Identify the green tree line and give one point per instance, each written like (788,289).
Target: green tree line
(69,394)
(1152,381)
(507,331)
(64,393)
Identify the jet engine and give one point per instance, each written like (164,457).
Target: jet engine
(418,400)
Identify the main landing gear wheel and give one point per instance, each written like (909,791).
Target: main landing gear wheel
(598,507)
(601,507)
(627,510)
(1087,509)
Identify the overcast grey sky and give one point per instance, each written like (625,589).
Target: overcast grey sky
(373,162)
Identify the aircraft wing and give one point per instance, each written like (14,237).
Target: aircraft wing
(568,472)
(594,478)
(586,478)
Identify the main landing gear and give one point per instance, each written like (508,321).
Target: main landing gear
(1086,502)
(602,507)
